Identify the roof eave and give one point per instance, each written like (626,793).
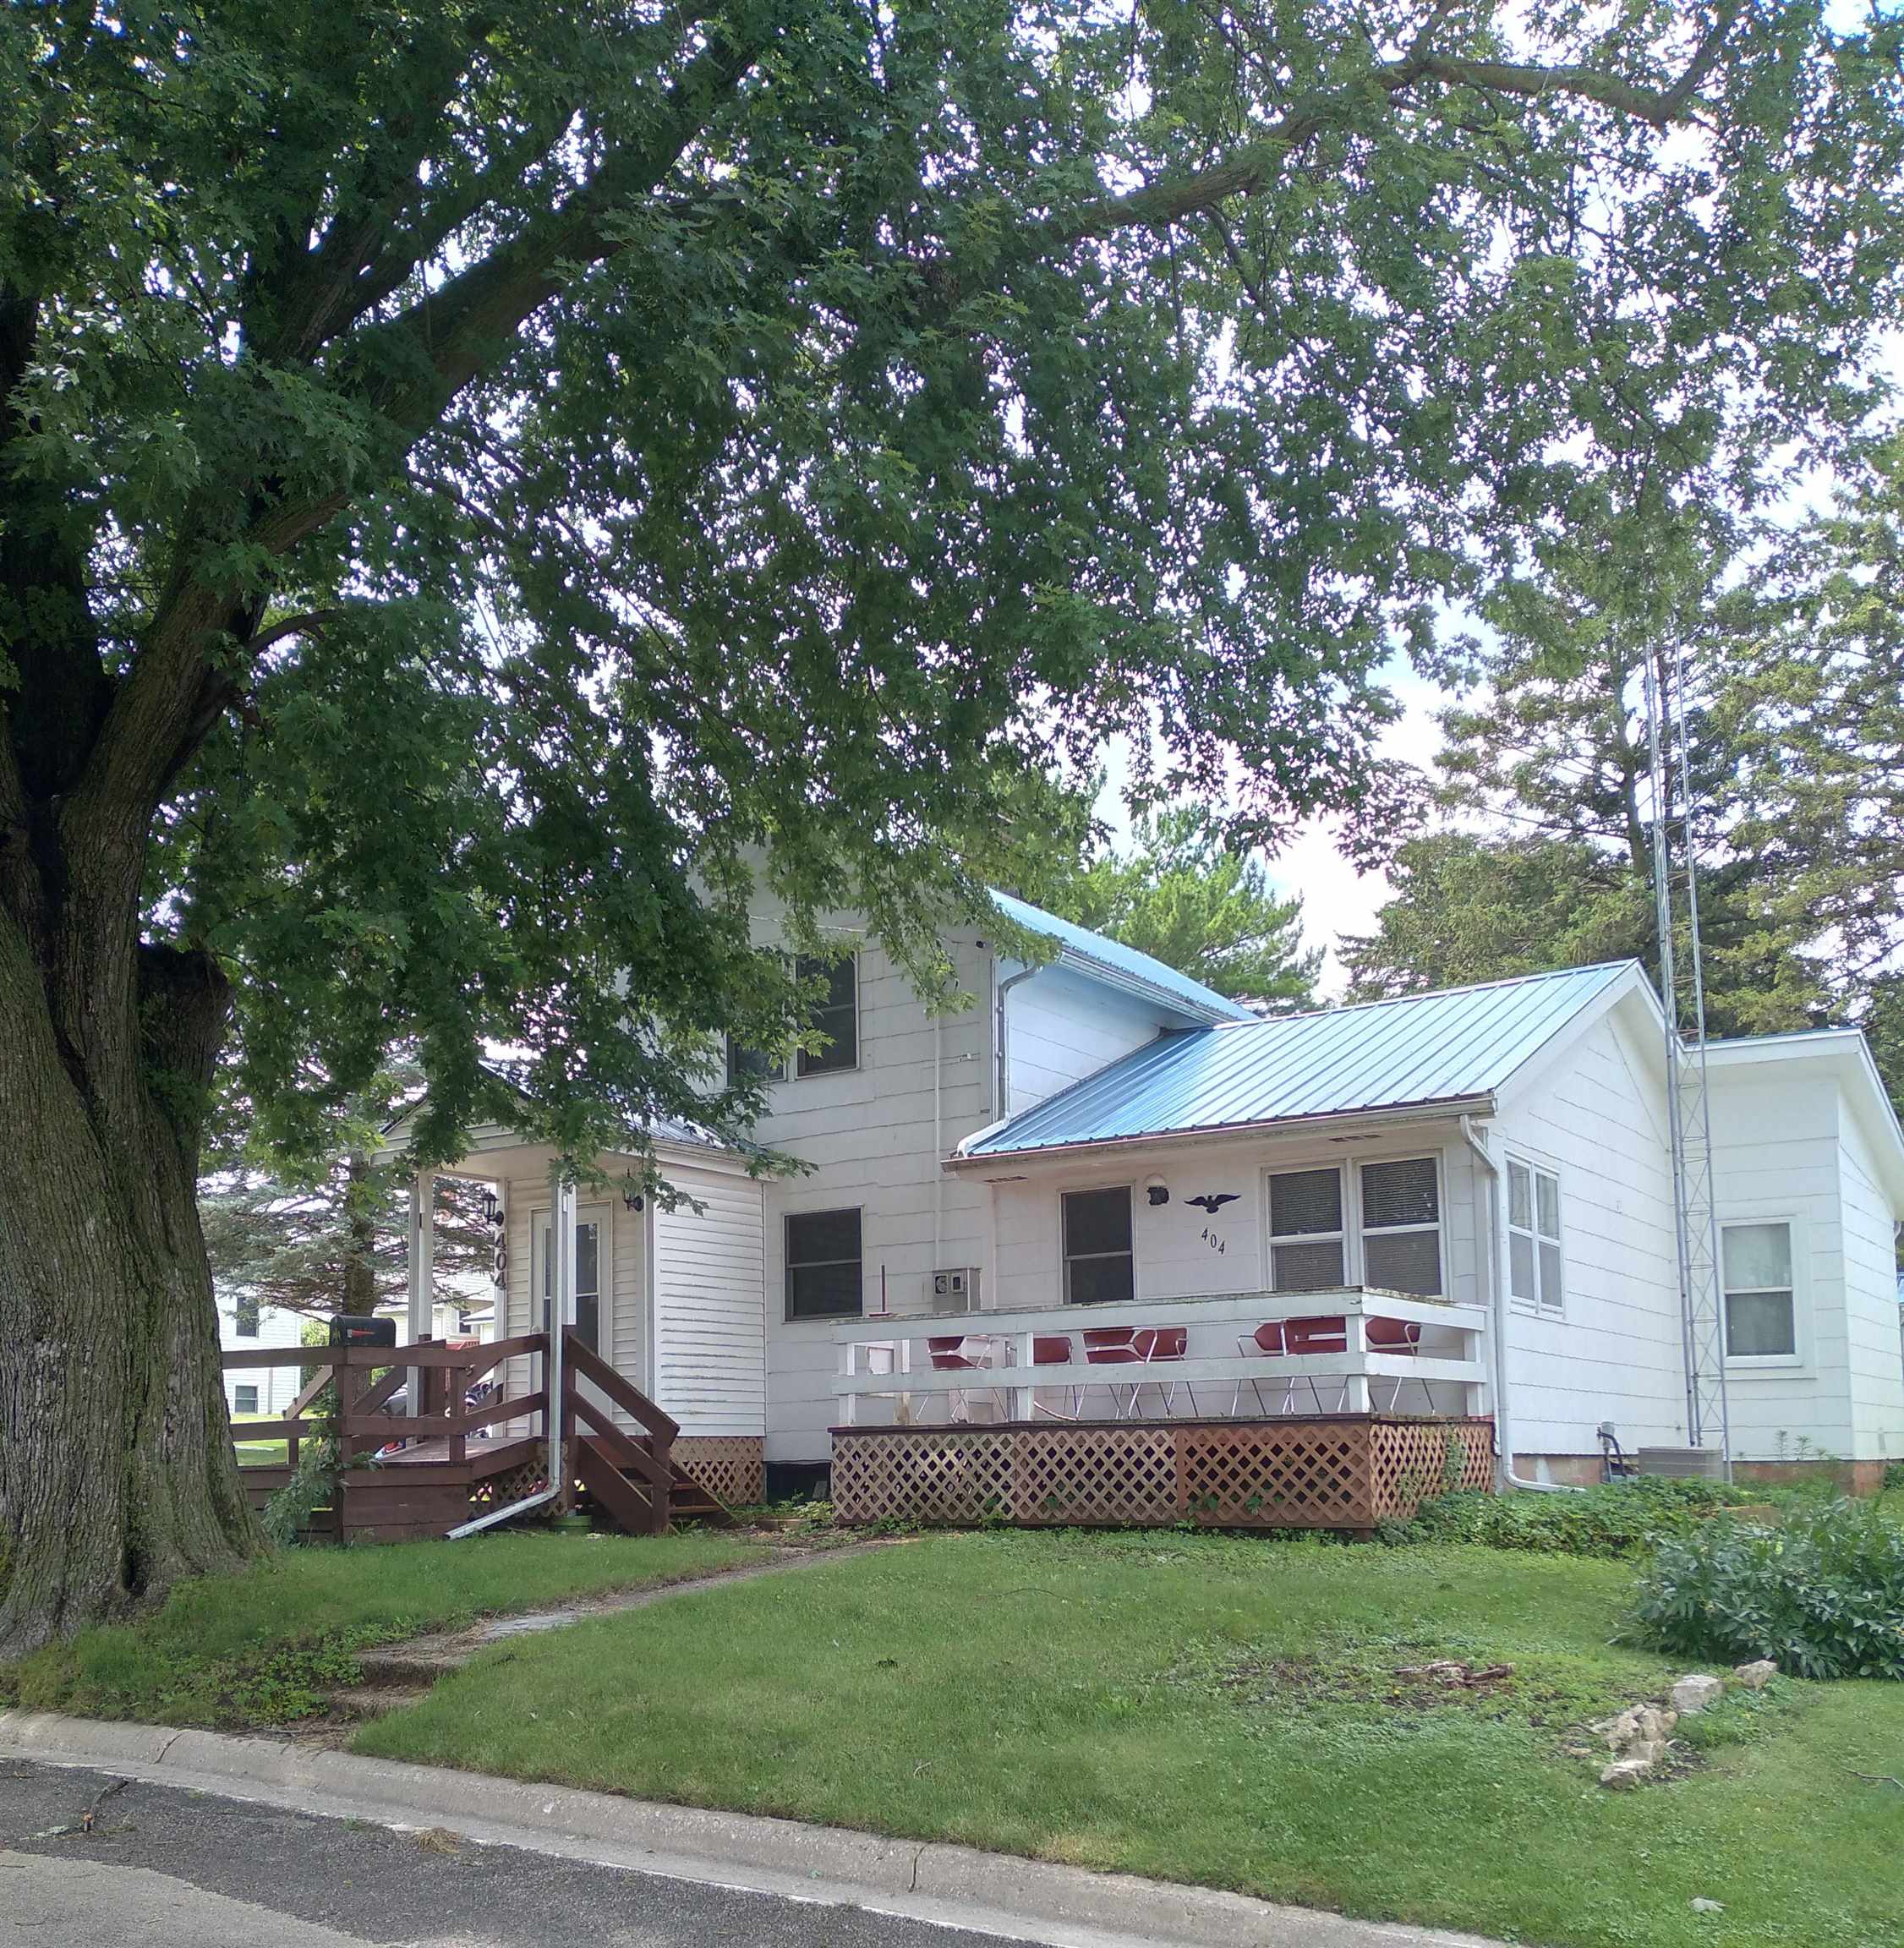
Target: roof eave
(1433,1109)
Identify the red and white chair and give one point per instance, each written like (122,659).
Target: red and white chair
(949,1355)
(1402,1339)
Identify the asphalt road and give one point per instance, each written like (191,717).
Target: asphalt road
(167,1868)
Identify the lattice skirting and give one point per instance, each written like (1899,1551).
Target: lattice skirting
(731,1467)
(1337,1471)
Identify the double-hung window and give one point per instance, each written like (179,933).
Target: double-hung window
(1761,1316)
(836,1016)
(244,1399)
(1401,1226)
(1098,1263)
(1305,1230)
(246,1312)
(822,1264)
(1534,1263)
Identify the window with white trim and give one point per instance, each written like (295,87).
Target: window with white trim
(244,1399)
(1761,1314)
(247,1312)
(1534,1262)
(1401,1226)
(837,1017)
(1306,1232)
(1099,1265)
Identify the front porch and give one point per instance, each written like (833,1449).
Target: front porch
(1256,1409)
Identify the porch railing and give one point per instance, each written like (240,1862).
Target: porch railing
(887,1375)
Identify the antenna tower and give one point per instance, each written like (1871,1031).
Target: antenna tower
(1676,897)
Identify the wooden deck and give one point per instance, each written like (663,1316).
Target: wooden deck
(423,1473)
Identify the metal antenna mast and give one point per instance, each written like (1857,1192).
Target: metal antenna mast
(1676,898)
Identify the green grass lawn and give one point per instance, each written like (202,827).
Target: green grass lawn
(1224,1711)
(262,1646)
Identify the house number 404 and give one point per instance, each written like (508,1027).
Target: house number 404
(1216,1244)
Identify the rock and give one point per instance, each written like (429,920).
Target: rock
(1757,1675)
(1697,1693)
(1656,1722)
(1702,1906)
(1624,1772)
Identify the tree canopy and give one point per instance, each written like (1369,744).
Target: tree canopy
(1179,893)
(478,477)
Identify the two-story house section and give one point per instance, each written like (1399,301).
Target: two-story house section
(877,1225)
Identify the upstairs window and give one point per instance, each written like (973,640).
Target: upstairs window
(1099,1264)
(1401,1226)
(1306,1231)
(837,1017)
(245,1317)
(823,1260)
(1761,1320)
(1533,1274)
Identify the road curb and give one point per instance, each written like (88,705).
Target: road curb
(957,1886)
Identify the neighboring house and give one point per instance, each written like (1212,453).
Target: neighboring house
(1100,1131)
(245,1326)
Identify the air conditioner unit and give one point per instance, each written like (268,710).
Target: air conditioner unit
(956,1290)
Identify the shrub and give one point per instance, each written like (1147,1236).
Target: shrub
(1822,1596)
(1618,1519)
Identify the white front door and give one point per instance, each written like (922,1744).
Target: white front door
(592,1271)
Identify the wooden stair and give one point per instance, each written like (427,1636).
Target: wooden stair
(689,1502)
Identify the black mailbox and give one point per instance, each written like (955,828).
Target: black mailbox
(372,1332)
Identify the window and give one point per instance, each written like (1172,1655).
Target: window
(1305,1230)
(837,1017)
(244,1399)
(822,1249)
(1098,1264)
(1761,1322)
(245,1317)
(588,1232)
(1401,1226)
(1534,1235)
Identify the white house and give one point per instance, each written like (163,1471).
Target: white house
(1477,1182)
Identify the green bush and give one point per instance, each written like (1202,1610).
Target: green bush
(1822,1595)
(1618,1519)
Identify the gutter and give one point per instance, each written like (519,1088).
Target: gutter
(1496,1260)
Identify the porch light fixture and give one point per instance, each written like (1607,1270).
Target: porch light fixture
(1158,1190)
(632,1199)
(492,1206)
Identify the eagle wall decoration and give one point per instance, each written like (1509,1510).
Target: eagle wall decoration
(1213,1201)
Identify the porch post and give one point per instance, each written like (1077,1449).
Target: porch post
(561,1314)
(1356,1394)
(422,1271)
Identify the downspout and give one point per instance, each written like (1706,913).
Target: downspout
(1496,1260)
(1002,1082)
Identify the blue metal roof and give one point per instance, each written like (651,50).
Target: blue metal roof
(1112,959)
(1458,1043)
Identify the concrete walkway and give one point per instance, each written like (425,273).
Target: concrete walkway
(877,1891)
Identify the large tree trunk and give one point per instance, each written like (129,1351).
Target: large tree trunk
(116,1474)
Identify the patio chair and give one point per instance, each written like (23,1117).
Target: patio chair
(1110,1346)
(949,1355)
(1301,1336)
(1154,1346)
(1054,1349)
(1401,1336)
(1267,1341)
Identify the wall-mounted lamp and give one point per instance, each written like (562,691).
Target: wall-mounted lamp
(633,1200)
(1158,1190)
(492,1206)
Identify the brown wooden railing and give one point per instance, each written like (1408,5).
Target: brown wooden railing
(632,1475)
(603,1464)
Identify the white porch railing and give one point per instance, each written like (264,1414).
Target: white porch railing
(889,1375)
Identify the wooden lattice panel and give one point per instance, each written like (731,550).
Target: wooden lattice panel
(929,1476)
(731,1467)
(1259,1474)
(511,1485)
(1412,1461)
(1120,1477)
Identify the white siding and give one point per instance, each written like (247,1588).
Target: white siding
(1182,1250)
(1595,1115)
(710,1348)
(1060,1028)
(1871,1310)
(1777,1159)
(869,1135)
(278,1386)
